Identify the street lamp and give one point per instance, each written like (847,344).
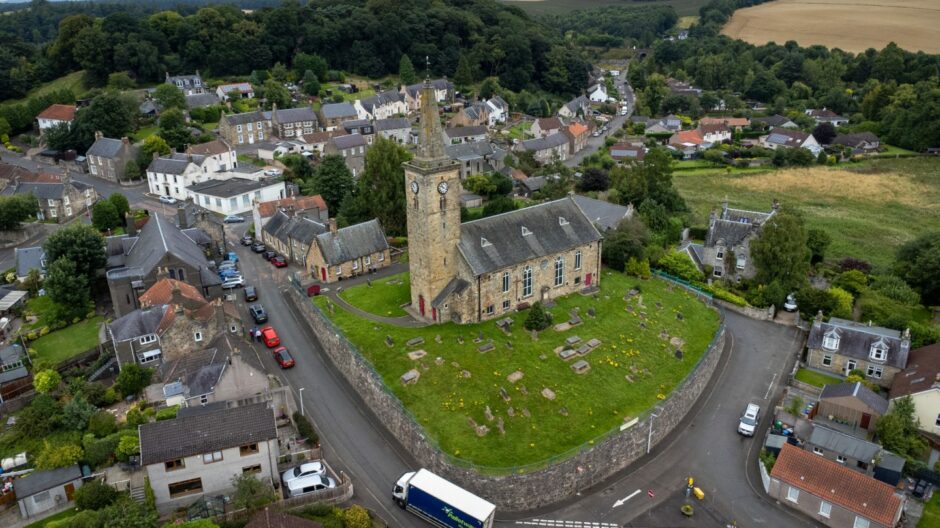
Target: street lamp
(649,439)
(301,392)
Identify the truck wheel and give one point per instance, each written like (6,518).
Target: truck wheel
(401,503)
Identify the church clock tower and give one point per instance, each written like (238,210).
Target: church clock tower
(432,195)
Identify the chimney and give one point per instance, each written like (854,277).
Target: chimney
(182,219)
(176,296)
(156,155)
(98,135)
(131,227)
(333,225)
(126,141)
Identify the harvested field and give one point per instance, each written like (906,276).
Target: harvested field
(850,25)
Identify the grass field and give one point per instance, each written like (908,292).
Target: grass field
(62,515)
(60,345)
(816,378)
(74,81)
(554,7)
(931,518)
(385,297)
(585,407)
(869,208)
(847,24)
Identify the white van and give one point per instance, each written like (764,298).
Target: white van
(308,484)
(748,423)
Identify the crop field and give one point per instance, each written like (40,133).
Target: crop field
(555,7)
(851,25)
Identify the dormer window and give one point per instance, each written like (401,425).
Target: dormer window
(831,341)
(879,351)
(526,231)
(484,242)
(562,221)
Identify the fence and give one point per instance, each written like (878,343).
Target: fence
(341,493)
(702,294)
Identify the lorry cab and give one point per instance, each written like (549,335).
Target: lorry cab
(398,492)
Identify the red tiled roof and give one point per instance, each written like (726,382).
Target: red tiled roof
(712,127)
(42,177)
(300,203)
(837,484)
(687,136)
(162,293)
(211,148)
(60,112)
(922,372)
(576,129)
(729,121)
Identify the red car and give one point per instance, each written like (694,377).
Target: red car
(279,261)
(270,338)
(283,358)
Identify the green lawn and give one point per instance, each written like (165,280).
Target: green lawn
(816,378)
(74,81)
(586,406)
(144,133)
(64,514)
(931,518)
(519,130)
(42,308)
(61,345)
(869,208)
(384,297)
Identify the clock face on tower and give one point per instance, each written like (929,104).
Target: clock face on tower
(414,187)
(442,187)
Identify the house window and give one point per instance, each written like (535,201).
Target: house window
(241,139)
(173,465)
(51,202)
(850,366)
(505,282)
(827,360)
(527,281)
(260,134)
(53,213)
(252,469)
(825,509)
(209,458)
(937,421)
(238,128)
(577,260)
(717,272)
(249,126)
(506,307)
(381,257)
(720,254)
(490,310)
(818,451)
(41,497)
(186,487)
(339,270)
(793,494)
(197,336)
(840,459)
(259,125)
(204,399)
(232,203)
(875,372)
(355,265)
(368,260)
(742,261)
(147,339)
(559,271)
(250,449)
(878,352)
(218,202)
(65,200)
(172,273)
(861,522)
(831,342)
(181,274)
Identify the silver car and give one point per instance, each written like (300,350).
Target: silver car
(304,470)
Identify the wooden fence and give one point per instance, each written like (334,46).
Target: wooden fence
(341,493)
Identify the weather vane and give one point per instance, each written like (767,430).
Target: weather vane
(427,68)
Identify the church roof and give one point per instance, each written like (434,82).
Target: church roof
(507,239)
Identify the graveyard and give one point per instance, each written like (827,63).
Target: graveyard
(498,396)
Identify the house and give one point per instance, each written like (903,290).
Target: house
(363,127)
(332,115)
(42,491)
(832,494)
(860,143)
(497,111)
(839,346)
(604,215)
(188,84)
(208,376)
(29,258)
(546,126)
(851,404)
(288,123)
(313,207)
(246,128)
(274,234)
(578,135)
(546,149)
(656,128)
(474,114)
(727,244)
(201,100)
(170,175)
(397,129)
(276,519)
(161,249)
(736,123)
(578,107)
(443,93)
(107,158)
(671,122)
(921,381)
(774,121)
(219,156)
(786,138)
(342,253)
(827,116)
(55,115)
(241,90)
(855,453)
(598,93)
(60,201)
(317,141)
(626,152)
(529,186)
(688,142)
(715,133)
(352,147)
(199,454)
(235,195)
(292,233)
(464,134)
(678,87)
(383,105)
(15,379)
(476,158)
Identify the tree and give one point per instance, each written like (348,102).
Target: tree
(81,245)
(95,495)
(54,456)
(133,378)
(406,71)
(780,253)
(120,81)
(101,424)
(68,289)
(356,517)
(593,179)
(276,94)
(311,83)
(499,205)
(104,216)
(538,319)
(842,302)
(817,241)
(128,446)
(824,133)
(15,209)
(852,281)
(304,62)
(40,417)
(33,282)
(121,205)
(173,129)
(898,430)
(128,513)
(479,184)
(61,137)
(625,242)
(464,74)
(77,412)
(918,263)
(332,180)
(46,381)
(169,96)
(679,264)
(382,184)
(152,145)
(132,170)
(490,87)
(251,493)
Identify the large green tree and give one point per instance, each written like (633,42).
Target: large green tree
(780,253)
(79,244)
(169,96)
(918,263)
(382,184)
(68,289)
(627,241)
(15,209)
(898,430)
(104,216)
(406,70)
(173,129)
(332,180)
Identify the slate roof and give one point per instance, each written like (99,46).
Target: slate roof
(199,371)
(734,225)
(506,245)
(498,102)
(392,123)
(787,138)
(469,151)
(138,323)
(275,225)
(844,444)
(275,519)
(455,285)
(576,103)
(12,354)
(193,435)
(202,100)
(60,112)
(856,340)
(337,110)
(922,372)
(776,120)
(241,87)
(381,99)
(438,84)
(627,151)
(29,258)
(604,214)
(295,115)
(305,230)
(465,131)
(352,242)
(211,148)
(534,183)
(105,148)
(550,141)
(246,117)
(170,165)
(158,238)
(837,484)
(42,191)
(854,140)
(230,187)
(858,391)
(349,141)
(39,481)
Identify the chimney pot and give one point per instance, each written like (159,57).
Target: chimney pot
(332,225)
(125,141)
(98,135)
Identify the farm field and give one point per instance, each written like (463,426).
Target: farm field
(555,7)
(848,24)
(869,208)
(74,81)
(630,370)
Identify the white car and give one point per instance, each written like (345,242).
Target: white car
(274,173)
(304,470)
(309,484)
(233,282)
(748,423)
(167,200)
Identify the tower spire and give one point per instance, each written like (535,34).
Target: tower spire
(431,146)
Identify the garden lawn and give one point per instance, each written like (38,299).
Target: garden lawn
(817,379)
(42,308)
(385,297)
(74,81)
(586,406)
(931,518)
(64,514)
(144,133)
(61,345)
(519,130)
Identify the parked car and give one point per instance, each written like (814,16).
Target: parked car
(233,282)
(268,255)
(279,261)
(258,314)
(258,247)
(167,200)
(790,304)
(921,489)
(231,256)
(233,219)
(270,338)
(228,264)
(309,484)
(229,273)
(274,173)
(283,357)
(247,240)
(251,294)
(314,467)
(748,423)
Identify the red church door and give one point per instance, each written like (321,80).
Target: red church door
(433,313)
(421,304)
(587,279)
(323,274)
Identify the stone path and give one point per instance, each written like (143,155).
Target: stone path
(405,321)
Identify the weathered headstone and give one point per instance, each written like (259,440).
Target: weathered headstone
(415,341)
(416,354)
(479,338)
(628,378)
(465,374)
(488,414)
(594,342)
(515,376)
(486,347)
(563,411)
(580,366)
(523,390)
(389,342)
(503,394)
(583,349)
(410,377)
(455,364)
(437,339)
(525,412)
(572,340)
(510,411)
(500,426)
(591,312)
(439,361)
(574,321)
(509,345)
(482,430)
(679,316)
(567,354)
(424,366)
(549,394)
(460,340)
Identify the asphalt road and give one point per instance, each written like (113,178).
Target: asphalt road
(595,143)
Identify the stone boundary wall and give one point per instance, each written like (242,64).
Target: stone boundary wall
(760,314)
(9,239)
(518,491)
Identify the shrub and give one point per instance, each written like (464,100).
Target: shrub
(82,519)
(94,495)
(77,412)
(135,417)
(110,396)
(43,331)
(101,424)
(100,451)
(724,295)
(538,319)
(842,302)
(851,263)
(132,379)
(46,381)
(55,456)
(768,458)
(639,268)
(680,265)
(168,413)
(894,287)
(32,336)
(127,446)
(305,428)
(356,517)
(852,281)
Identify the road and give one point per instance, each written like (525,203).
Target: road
(595,143)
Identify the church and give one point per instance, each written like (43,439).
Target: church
(475,271)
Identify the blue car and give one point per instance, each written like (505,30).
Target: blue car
(231,256)
(226,273)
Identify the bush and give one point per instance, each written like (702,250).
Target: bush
(724,295)
(127,446)
(538,319)
(82,519)
(94,495)
(55,456)
(843,302)
(894,287)
(100,451)
(305,428)
(132,379)
(135,417)
(46,381)
(168,413)
(356,517)
(680,265)
(102,424)
(43,331)
(852,281)
(851,263)
(639,268)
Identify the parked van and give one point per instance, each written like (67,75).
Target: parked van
(748,423)
(308,484)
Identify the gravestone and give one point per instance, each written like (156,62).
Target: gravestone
(486,347)
(488,414)
(563,411)
(437,339)
(639,301)
(580,366)
(549,394)
(439,361)
(504,395)
(509,345)
(465,374)
(679,316)
(679,353)
(572,340)
(574,321)
(478,338)
(515,376)
(525,412)
(523,390)
(425,366)
(510,411)
(500,426)
(677,342)
(630,308)
(659,305)
(389,342)
(594,342)
(416,355)
(415,341)
(628,378)
(455,364)
(643,325)
(567,354)
(543,357)
(663,335)
(460,340)
(591,312)
(482,430)
(583,349)
(410,377)
(561,327)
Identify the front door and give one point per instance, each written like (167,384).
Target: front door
(421,304)
(866,421)
(433,313)
(587,279)
(70,491)
(323,274)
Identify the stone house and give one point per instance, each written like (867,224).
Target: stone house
(578,135)
(443,93)
(60,201)
(338,254)
(332,115)
(219,156)
(774,121)
(727,245)
(292,233)
(14,377)
(41,491)
(855,453)
(313,207)
(860,143)
(199,453)
(363,127)
(851,404)
(546,149)
(55,115)
(825,115)
(464,134)
(736,123)
(208,376)
(839,346)
(29,258)
(287,123)
(107,158)
(546,126)
(921,381)
(352,147)
(246,128)
(188,84)
(476,158)
(171,175)
(831,494)
(473,114)
(626,152)
(578,107)
(598,93)
(397,129)
(382,105)
(497,111)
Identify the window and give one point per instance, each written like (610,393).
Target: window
(817,451)
(505,282)
(218,202)
(577,259)
(527,281)
(252,469)
(849,366)
(172,273)
(51,202)
(717,272)
(250,449)
(368,260)
(250,126)
(181,274)
(526,231)
(186,487)
(197,336)
(825,509)
(173,465)
(489,310)
(793,494)
(742,261)
(68,211)
(878,352)
(233,203)
(259,125)
(147,339)
(41,497)
(559,271)
(260,134)
(65,200)
(209,458)
(840,459)
(827,360)
(937,421)
(53,213)
(875,372)
(238,128)
(720,254)
(339,270)
(861,522)
(204,399)
(381,257)
(245,200)
(831,341)
(241,139)
(355,265)
(149,356)
(506,307)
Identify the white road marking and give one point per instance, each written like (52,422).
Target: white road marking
(625,499)
(567,524)
(771,386)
